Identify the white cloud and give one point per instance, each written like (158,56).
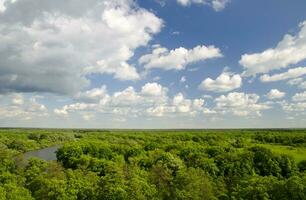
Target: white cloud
(224,83)
(162,3)
(61,112)
(299,97)
(183,105)
(18,99)
(293,107)
(206,96)
(178,105)
(183,79)
(303,85)
(299,82)
(125,22)
(122,71)
(151,100)
(74,107)
(240,104)
(153,89)
(217,5)
(176,33)
(127,97)
(34,106)
(275,94)
(51,46)
(179,58)
(22,108)
(291,73)
(2,6)
(186,2)
(291,50)
(156,78)
(93,95)
(159,111)
(88,116)
(295,81)
(209,111)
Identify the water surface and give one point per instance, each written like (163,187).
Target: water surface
(44,154)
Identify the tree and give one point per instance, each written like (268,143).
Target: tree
(192,184)
(16,192)
(265,162)
(302,166)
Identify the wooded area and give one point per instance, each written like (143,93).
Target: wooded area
(156,164)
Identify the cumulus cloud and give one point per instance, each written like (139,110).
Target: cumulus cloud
(178,105)
(153,89)
(2,6)
(126,98)
(217,5)
(74,107)
(293,107)
(224,83)
(93,95)
(275,94)
(122,71)
(51,46)
(240,104)
(16,106)
(290,50)
(299,97)
(290,74)
(183,79)
(151,100)
(183,105)
(303,85)
(295,81)
(17,99)
(299,82)
(179,58)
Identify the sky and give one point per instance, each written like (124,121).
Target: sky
(153,63)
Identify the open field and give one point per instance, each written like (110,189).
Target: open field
(154,164)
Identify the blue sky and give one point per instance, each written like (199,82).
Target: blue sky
(153,64)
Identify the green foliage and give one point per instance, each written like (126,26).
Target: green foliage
(157,165)
(302,166)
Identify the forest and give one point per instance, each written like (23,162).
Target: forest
(154,164)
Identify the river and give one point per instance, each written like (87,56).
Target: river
(47,154)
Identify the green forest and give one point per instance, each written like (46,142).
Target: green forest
(154,164)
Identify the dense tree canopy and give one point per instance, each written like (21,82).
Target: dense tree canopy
(227,164)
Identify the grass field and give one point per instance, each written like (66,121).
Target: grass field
(298,153)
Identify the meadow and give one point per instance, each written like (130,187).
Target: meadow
(154,164)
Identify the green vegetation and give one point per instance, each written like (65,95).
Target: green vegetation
(168,164)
